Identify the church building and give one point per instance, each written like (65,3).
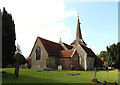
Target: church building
(77,56)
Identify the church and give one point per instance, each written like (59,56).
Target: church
(76,56)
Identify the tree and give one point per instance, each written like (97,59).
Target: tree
(50,65)
(18,50)
(112,55)
(8,39)
(28,58)
(118,55)
(18,57)
(103,54)
(28,62)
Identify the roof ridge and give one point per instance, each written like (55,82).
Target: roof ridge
(66,43)
(48,40)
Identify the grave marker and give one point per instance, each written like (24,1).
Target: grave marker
(94,79)
(16,71)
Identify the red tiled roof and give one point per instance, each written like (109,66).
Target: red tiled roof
(66,53)
(52,48)
(68,46)
(89,52)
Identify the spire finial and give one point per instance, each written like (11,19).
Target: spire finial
(60,40)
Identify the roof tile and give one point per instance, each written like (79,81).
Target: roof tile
(68,46)
(66,53)
(52,48)
(89,52)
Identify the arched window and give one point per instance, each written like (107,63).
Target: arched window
(38,53)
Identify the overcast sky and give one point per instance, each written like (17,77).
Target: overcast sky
(55,19)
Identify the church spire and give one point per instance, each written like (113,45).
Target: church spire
(78,31)
(79,38)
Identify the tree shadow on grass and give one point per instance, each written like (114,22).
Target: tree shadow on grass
(9,79)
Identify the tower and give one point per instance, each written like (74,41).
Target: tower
(79,38)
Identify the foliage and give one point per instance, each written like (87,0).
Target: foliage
(32,76)
(112,55)
(18,50)
(28,58)
(8,39)
(27,61)
(103,54)
(19,59)
(50,64)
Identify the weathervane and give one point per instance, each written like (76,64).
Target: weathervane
(60,40)
(78,13)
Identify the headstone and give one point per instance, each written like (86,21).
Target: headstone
(16,71)
(59,67)
(72,66)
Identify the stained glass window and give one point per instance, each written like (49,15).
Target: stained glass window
(38,53)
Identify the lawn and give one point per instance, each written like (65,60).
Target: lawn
(32,76)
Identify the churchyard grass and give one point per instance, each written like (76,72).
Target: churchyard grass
(32,76)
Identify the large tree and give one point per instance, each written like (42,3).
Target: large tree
(8,38)
(118,55)
(112,55)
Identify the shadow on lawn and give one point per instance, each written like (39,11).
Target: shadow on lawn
(9,79)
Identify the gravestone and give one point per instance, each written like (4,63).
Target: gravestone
(72,66)
(16,71)
(59,67)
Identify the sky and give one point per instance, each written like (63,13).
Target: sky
(55,19)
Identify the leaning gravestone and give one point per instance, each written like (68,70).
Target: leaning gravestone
(16,71)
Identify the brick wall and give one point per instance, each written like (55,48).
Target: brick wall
(68,61)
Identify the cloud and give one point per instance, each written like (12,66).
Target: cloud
(57,31)
(91,0)
(39,18)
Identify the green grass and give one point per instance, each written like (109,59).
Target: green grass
(32,76)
